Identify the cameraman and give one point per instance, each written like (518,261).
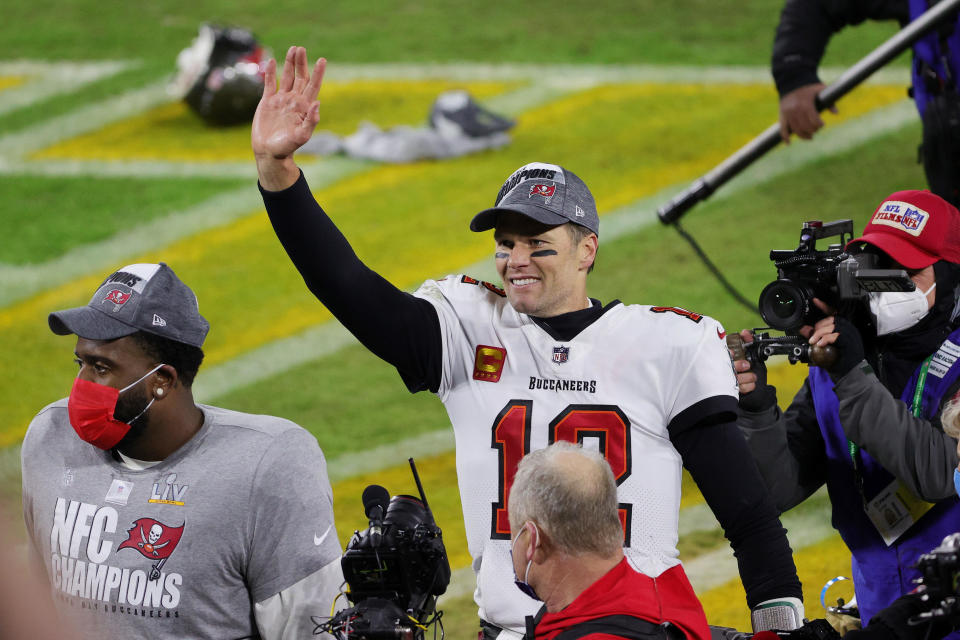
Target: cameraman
(567,550)
(869,425)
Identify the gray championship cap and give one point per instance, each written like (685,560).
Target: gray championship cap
(138,297)
(547,193)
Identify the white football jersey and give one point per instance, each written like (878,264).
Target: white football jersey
(510,388)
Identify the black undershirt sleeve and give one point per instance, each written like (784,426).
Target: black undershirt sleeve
(716,455)
(805,29)
(396,326)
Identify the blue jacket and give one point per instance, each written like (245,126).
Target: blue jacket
(881,573)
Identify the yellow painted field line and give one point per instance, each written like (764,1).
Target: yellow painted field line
(726,606)
(172,133)
(9,82)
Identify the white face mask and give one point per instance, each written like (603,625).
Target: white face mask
(898,310)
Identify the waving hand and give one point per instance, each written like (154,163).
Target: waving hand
(285,118)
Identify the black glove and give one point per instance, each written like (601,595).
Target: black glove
(849,346)
(763,396)
(893,623)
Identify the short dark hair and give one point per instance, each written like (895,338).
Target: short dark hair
(185,358)
(577,233)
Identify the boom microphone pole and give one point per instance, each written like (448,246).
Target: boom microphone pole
(704,186)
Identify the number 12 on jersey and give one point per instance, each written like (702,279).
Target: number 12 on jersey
(511,438)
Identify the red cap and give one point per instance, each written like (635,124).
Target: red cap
(915,228)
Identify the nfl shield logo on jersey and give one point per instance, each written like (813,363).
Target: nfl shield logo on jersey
(561,354)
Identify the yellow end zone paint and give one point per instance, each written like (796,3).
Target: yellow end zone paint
(726,606)
(659,135)
(9,82)
(173,133)
(409,222)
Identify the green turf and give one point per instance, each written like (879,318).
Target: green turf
(144,72)
(49,216)
(739,232)
(691,32)
(683,31)
(352,387)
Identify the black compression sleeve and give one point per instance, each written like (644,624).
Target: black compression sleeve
(806,27)
(717,457)
(400,328)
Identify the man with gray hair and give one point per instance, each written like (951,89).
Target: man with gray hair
(567,551)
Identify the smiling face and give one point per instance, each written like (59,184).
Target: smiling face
(544,270)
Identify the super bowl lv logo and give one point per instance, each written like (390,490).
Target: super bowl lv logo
(168,492)
(154,540)
(85,562)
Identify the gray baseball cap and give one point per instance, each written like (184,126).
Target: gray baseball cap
(548,193)
(138,297)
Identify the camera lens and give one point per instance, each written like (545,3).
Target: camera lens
(783,305)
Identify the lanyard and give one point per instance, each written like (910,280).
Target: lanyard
(915,409)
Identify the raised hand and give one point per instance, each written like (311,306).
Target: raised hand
(285,118)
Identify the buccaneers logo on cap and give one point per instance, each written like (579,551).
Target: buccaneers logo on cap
(117,297)
(544,190)
(153,540)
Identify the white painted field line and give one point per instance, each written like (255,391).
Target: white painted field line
(562,74)
(131,169)
(548,82)
(47,79)
(20,281)
(16,146)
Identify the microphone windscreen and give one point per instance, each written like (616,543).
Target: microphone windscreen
(373,496)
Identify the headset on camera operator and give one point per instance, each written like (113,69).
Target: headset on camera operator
(868,426)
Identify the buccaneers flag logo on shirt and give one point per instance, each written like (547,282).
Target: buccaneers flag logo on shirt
(154,540)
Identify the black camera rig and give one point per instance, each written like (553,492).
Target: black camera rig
(833,275)
(395,571)
(940,571)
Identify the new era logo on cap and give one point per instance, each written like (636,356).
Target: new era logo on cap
(158,321)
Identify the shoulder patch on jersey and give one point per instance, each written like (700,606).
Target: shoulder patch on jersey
(689,315)
(488,364)
(486,285)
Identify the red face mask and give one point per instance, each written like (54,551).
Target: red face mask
(91,408)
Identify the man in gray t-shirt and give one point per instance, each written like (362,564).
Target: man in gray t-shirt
(155,517)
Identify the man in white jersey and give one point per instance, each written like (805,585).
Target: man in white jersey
(155,517)
(517,368)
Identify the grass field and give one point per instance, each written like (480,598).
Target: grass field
(99,168)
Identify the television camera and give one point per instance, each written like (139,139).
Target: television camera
(834,276)
(940,571)
(395,571)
